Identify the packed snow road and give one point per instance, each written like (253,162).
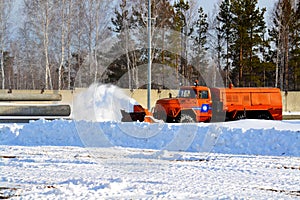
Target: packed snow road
(49,172)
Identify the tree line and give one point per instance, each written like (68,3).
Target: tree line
(64,44)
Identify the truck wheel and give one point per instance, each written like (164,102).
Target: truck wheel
(240,116)
(184,118)
(264,116)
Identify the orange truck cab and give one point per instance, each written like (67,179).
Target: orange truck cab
(193,104)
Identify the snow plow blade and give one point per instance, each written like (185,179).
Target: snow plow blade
(139,114)
(132,116)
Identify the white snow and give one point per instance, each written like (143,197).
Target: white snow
(102,158)
(101,103)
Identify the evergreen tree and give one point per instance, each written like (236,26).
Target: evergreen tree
(248,25)
(225,32)
(134,19)
(267,67)
(295,49)
(256,32)
(162,22)
(180,25)
(274,38)
(123,23)
(162,38)
(243,30)
(199,41)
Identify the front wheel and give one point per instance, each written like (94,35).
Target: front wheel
(185,118)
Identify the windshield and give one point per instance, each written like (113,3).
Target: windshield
(190,93)
(187,93)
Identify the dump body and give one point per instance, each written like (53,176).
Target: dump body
(252,103)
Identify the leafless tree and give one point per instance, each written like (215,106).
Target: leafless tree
(283,15)
(63,30)
(5,9)
(40,17)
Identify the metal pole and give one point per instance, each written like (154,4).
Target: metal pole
(149,57)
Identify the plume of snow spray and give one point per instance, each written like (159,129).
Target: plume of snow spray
(101,102)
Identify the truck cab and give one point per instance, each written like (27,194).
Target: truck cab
(193,104)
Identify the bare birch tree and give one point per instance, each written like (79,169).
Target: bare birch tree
(281,32)
(63,4)
(95,23)
(102,21)
(40,15)
(5,9)
(69,30)
(46,22)
(79,30)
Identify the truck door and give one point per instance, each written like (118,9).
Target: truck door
(204,102)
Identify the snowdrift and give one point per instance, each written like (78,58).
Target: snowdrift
(254,137)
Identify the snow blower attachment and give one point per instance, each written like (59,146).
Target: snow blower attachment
(139,114)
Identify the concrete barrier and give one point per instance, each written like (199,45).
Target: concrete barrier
(23,105)
(30,97)
(291,101)
(35,110)
(291,105)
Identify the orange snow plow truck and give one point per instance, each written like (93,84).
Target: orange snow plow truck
(203,104)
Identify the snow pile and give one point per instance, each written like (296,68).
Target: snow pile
(255,137)
(101,103)
(264,141)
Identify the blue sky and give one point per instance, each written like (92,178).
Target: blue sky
(209,4)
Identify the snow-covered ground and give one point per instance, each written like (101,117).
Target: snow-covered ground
(98,157)
(52,172)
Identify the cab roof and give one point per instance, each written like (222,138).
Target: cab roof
(194,88)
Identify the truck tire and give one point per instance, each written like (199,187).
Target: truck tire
(264,116)
(185,118)
(240,116)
